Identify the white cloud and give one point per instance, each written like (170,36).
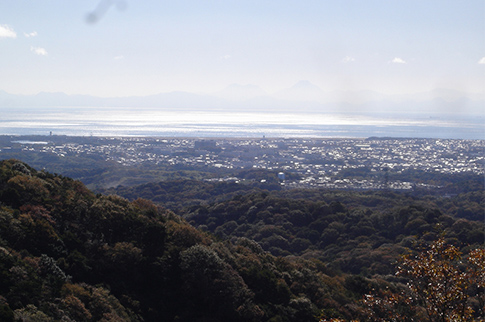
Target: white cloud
(398,60)
(118,57)
(348,59)
(482,61)
(30,34)
(226,57)
(7,32)
(38,51)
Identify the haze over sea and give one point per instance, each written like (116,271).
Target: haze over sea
(102,121)
(243,68)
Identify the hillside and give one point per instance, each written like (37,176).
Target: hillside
(67,254)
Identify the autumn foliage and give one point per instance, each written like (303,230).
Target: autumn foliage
(442,285)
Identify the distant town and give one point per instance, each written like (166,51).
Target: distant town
(298,162)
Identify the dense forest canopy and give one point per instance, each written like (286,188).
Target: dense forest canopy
(68,254)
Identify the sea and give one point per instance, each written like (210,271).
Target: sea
(146,122)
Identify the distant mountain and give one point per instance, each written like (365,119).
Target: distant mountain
(301,97)
(302,91)
(162,100)
(305,85)
(177,99)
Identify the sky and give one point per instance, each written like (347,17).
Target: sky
(136,48)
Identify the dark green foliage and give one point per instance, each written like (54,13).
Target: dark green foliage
(267,287)
(211,285)
(6,313)
(176,194)
(357,232)
(68,254)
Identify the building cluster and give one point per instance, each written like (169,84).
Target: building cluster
(313,162)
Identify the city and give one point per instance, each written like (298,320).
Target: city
(300,162)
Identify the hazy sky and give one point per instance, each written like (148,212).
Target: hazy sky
(151,46)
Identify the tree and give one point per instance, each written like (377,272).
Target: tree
(213,288)
(447,286)
(439,282)
(476,273)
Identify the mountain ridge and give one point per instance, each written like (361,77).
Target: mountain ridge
(252,97)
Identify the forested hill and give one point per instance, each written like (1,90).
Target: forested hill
(360,232)
(67,254)
(356,232)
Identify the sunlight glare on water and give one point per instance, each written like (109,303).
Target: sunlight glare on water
(151,122)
